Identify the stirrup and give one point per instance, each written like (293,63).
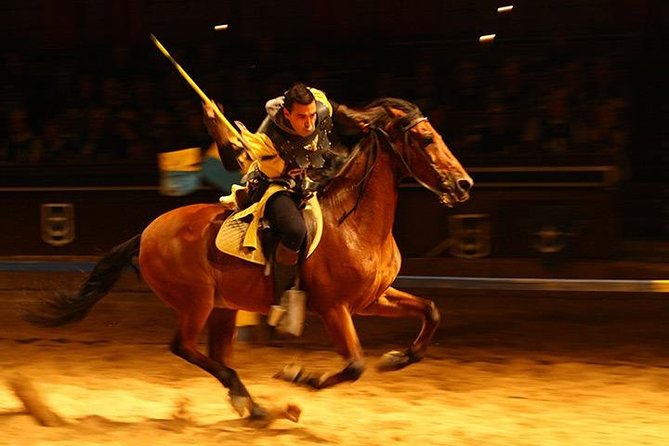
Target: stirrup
(293,305)
(275,315)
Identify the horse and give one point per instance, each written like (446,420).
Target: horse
(350,272)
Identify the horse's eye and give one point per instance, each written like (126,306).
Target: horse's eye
(426,139)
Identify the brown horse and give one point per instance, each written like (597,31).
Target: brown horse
(349,273)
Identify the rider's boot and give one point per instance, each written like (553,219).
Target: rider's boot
(288,312)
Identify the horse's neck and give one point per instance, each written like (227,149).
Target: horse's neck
(372,217)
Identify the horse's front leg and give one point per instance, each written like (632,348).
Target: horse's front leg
(396,303)
(339,324)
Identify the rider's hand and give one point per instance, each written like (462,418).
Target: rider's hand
(214,125)
(209,111)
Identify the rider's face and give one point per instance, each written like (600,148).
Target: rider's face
(302,118)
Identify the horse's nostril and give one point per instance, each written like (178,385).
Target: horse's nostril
(464,185)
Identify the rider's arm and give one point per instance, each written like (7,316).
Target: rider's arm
(230,148)
(347,121)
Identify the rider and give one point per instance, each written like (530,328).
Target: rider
(293,147)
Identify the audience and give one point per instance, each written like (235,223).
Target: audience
(129,110)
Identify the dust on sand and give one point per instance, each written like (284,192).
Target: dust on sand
(501,372)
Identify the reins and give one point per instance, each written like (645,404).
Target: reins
(412,119)
(404,123)
(370,162)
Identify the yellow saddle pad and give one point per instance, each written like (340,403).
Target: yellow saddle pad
(239,235)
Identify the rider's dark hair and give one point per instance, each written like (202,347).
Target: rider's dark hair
(297,93)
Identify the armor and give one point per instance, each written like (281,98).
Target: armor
(301,153)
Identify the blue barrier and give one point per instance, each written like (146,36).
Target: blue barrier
(438,282)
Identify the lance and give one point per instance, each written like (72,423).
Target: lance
(197,89)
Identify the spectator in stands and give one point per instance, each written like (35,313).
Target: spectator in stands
(54,145)
(466,92)
(425,93)
(498,134)
(554,129)
(509,89)
(101,141)
(22,144)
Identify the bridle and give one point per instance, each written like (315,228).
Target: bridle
(406,123)
(410,120)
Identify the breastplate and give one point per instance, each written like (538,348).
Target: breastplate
(298,152)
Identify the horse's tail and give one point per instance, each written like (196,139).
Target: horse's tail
(67,308)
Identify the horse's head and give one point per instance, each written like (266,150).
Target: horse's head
(423,152)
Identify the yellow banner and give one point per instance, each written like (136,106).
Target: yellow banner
(185,160)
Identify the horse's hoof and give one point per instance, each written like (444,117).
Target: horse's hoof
(262,418)
(394,360)
(290,373)
(292,413)
(295,374)
(259,413)
(242,405)
(259,417)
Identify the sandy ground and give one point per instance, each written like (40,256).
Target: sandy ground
(503,370)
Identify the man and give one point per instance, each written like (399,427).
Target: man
(292,147)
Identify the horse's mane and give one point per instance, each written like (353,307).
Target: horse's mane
(377,114)
(377,111)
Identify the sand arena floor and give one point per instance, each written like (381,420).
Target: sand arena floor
(503,370)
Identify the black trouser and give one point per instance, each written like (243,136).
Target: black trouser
(286,220)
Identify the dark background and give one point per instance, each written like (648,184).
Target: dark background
(562,120)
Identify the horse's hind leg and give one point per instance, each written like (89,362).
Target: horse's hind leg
(191,322)
(221,335)
(396,303)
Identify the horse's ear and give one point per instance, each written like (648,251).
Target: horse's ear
(393,113)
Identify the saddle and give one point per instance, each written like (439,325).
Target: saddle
(241,234)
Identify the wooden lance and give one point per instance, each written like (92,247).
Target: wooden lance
(197,89)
